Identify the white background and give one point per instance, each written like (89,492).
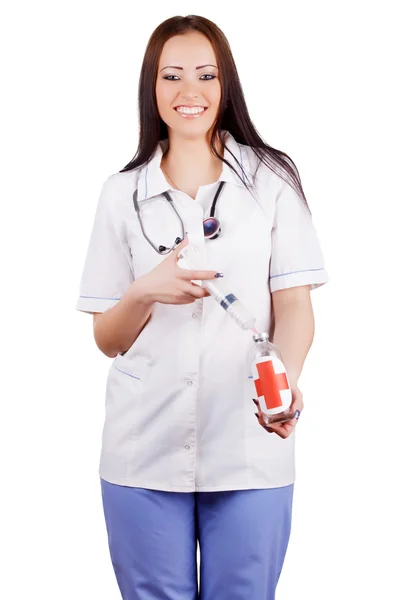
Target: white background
(320,80)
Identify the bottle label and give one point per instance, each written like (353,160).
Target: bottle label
(271,384)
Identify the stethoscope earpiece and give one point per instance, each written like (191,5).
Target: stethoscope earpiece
(164,250)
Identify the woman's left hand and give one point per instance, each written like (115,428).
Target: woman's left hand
(284,429)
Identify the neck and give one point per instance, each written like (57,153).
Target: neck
(190,163)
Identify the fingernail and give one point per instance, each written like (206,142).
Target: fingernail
(297,414)
(255,401)
(256,414)
(218,275)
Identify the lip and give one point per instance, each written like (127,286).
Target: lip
(189,106)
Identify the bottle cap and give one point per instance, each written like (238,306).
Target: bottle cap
(260,337)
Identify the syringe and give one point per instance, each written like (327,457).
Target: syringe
(218,290)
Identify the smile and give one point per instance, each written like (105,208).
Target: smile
(190,112)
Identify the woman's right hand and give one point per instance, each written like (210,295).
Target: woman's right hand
(168,283)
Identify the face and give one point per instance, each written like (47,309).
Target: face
(188,89)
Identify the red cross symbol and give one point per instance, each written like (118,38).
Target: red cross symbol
(270,384)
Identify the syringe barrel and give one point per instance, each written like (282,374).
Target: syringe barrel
(220,292)
(230,303)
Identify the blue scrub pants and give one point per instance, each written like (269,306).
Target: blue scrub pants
(243,537)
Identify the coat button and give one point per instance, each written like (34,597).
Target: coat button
(187,447)
(189,383)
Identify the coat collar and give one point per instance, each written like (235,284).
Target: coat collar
(152,181)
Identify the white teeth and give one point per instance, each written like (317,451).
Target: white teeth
(190,111)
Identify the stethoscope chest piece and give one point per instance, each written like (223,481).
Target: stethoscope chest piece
(212,228)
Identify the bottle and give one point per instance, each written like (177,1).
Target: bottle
(219,290)
(269,382)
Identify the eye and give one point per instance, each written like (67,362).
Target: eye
(176,78)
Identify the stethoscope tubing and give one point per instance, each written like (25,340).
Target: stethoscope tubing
(162,249)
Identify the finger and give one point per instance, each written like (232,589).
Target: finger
(198,274)
(273,428)
(296,411)
(187,299)
(261,421)
(257,403)
(283,435)
(280,431)
(199,291)
(205,292)
(283,430)
(196,290)
(293,422)
(286,428)
(260,416)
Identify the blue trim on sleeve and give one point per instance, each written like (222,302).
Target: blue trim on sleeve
(99,298)
(292,272)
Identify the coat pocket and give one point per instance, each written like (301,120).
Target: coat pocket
(131,365)
(125,403)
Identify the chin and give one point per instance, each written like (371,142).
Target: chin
(191,130)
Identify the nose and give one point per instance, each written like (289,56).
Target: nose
(188,94)
(189,97)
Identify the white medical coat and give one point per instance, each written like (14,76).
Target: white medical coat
(178,409)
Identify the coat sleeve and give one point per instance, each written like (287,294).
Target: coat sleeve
(296,255)
(108,270)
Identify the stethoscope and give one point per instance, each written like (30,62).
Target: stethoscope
(211,225)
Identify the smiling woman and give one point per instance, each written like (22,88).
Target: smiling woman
(183,458)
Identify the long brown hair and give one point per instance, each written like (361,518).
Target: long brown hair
(232,115)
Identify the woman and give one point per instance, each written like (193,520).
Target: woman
(183,457)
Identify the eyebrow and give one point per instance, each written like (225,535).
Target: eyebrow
(181,68)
